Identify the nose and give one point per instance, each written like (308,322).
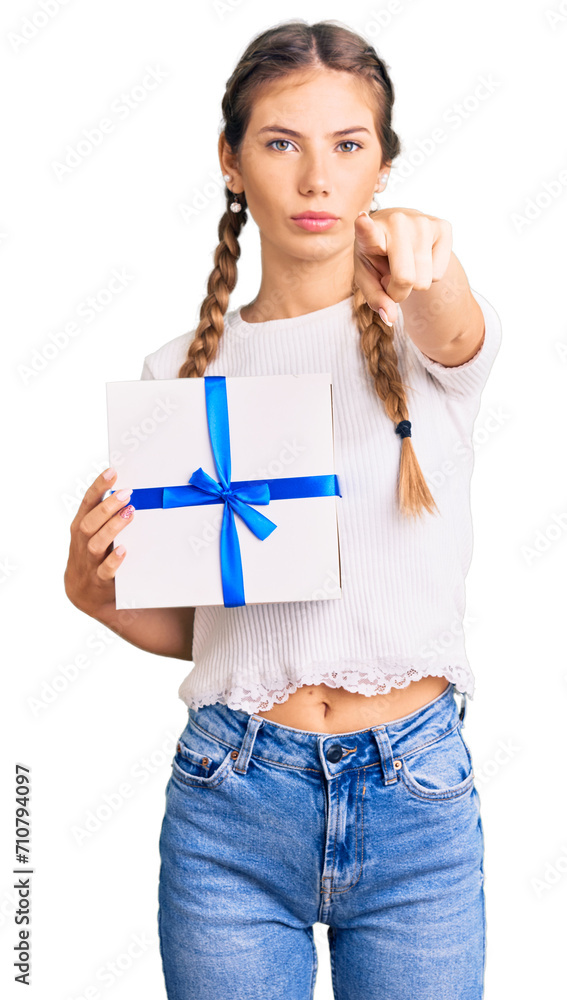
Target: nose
(314,176)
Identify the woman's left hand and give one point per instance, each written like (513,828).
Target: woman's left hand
(397,250)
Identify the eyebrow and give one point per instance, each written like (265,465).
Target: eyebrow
(298,135)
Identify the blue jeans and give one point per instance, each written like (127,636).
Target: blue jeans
(376,833)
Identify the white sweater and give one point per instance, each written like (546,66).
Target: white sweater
(403,582)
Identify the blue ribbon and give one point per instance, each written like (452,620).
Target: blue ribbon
(237,495)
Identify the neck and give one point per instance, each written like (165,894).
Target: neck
(294,286)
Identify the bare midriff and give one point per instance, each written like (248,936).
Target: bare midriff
(322,709)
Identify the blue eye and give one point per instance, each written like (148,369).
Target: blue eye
(346,142)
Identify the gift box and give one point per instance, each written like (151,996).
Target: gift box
(234,490)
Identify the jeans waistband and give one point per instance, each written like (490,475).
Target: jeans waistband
(331,753)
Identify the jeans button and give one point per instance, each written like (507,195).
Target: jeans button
(334,753)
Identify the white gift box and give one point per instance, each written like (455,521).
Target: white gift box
(272,437)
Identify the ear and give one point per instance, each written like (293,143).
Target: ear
(384,169)
(229,165)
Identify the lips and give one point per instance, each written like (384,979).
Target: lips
(314,215)
(315,222)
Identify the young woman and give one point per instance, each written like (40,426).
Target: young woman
(322,775)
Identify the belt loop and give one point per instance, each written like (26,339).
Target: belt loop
(255,722)
(386,756)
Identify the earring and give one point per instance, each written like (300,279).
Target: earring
(235,205)
(374,204)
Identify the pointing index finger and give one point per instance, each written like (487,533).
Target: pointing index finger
(402,267)
(370,236)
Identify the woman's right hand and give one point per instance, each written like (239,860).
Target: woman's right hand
(92,564)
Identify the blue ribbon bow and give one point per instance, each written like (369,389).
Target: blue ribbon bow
(236,495)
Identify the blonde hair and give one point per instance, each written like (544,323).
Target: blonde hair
(285,48)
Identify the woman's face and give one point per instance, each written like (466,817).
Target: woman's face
(314,169)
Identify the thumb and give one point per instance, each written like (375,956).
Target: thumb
(363,222)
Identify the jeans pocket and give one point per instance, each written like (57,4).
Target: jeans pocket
(200,760)
(440,770)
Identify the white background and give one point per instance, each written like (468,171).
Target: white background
(128,206)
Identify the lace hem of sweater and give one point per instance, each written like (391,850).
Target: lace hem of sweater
(258,698)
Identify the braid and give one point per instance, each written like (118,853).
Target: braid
(222,279)
(377,345)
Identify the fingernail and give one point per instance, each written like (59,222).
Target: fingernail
(363,213)
(122,494)
(127,512)
(120,549)
(109,473)
(384,317)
